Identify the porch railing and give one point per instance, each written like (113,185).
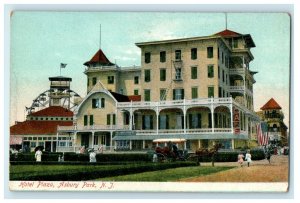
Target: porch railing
(93,127)
(174,102)
(181,131)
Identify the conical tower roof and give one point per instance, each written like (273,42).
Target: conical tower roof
(99,58)
(271,104)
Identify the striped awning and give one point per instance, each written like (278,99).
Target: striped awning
(15,140)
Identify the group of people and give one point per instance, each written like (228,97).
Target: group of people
(247,158)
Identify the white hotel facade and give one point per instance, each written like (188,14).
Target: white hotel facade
(198,89)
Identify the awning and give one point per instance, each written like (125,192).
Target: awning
(174,140)
(15,140)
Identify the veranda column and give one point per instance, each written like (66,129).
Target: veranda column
(143,144)
(232,143)
(184,116)
(212,116)
(93,135)
(184,145)
(199,144)
(74,143)
(130,144)
(157,115)
(57,141)
(231,117)
(111,142)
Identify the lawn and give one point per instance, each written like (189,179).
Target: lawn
(173,174)
(85,172)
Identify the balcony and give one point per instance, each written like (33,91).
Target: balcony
(92,127)
(172,103)
(235,71)
(182,131)
(101,68)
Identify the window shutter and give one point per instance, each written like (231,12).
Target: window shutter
(108,119)
(91,120)
(174,92)
(85,120)
(182,93)
(114,119)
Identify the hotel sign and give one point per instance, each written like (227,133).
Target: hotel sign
(236,120)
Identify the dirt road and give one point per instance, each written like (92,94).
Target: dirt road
(259,171)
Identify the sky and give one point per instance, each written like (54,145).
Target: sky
(40,41)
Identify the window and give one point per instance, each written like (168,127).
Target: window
(147,75)
(210,71)
(211,91)
(88,81)
(102,102)
(178,55)
(94,80)
(147,96)
(136,80)
(162,57)
(162,74)
(218,53)
(178,74)
(32,144)
(194,92)
(147,122)
(121,91)
(163,94)
(95,103)
(194,72)
(110,79)
(91,120)
(219,72)
(178,94)
(85,120)
(210,52)
(194,121)
(235,43)
(96,140)
(136,92)
(194,53)
(147,57)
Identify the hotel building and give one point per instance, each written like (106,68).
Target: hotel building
(199,89)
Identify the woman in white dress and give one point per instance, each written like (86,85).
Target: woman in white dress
(248,158)
(38,155)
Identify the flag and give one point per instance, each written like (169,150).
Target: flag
(63,65)
(262,133)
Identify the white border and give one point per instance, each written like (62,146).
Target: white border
(205,8)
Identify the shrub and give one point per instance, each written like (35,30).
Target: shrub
(257,154)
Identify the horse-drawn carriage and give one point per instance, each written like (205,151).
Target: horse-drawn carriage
(170,151)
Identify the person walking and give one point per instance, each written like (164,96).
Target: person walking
(38,155)
(248,158)
(93,156)
(241,159)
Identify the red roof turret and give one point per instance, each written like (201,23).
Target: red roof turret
(271,104)
(99,58)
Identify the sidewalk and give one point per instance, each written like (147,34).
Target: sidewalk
(259,171)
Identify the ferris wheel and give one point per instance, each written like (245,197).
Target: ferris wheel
(59,94)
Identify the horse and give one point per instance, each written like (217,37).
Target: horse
(165,153)
(208,152)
